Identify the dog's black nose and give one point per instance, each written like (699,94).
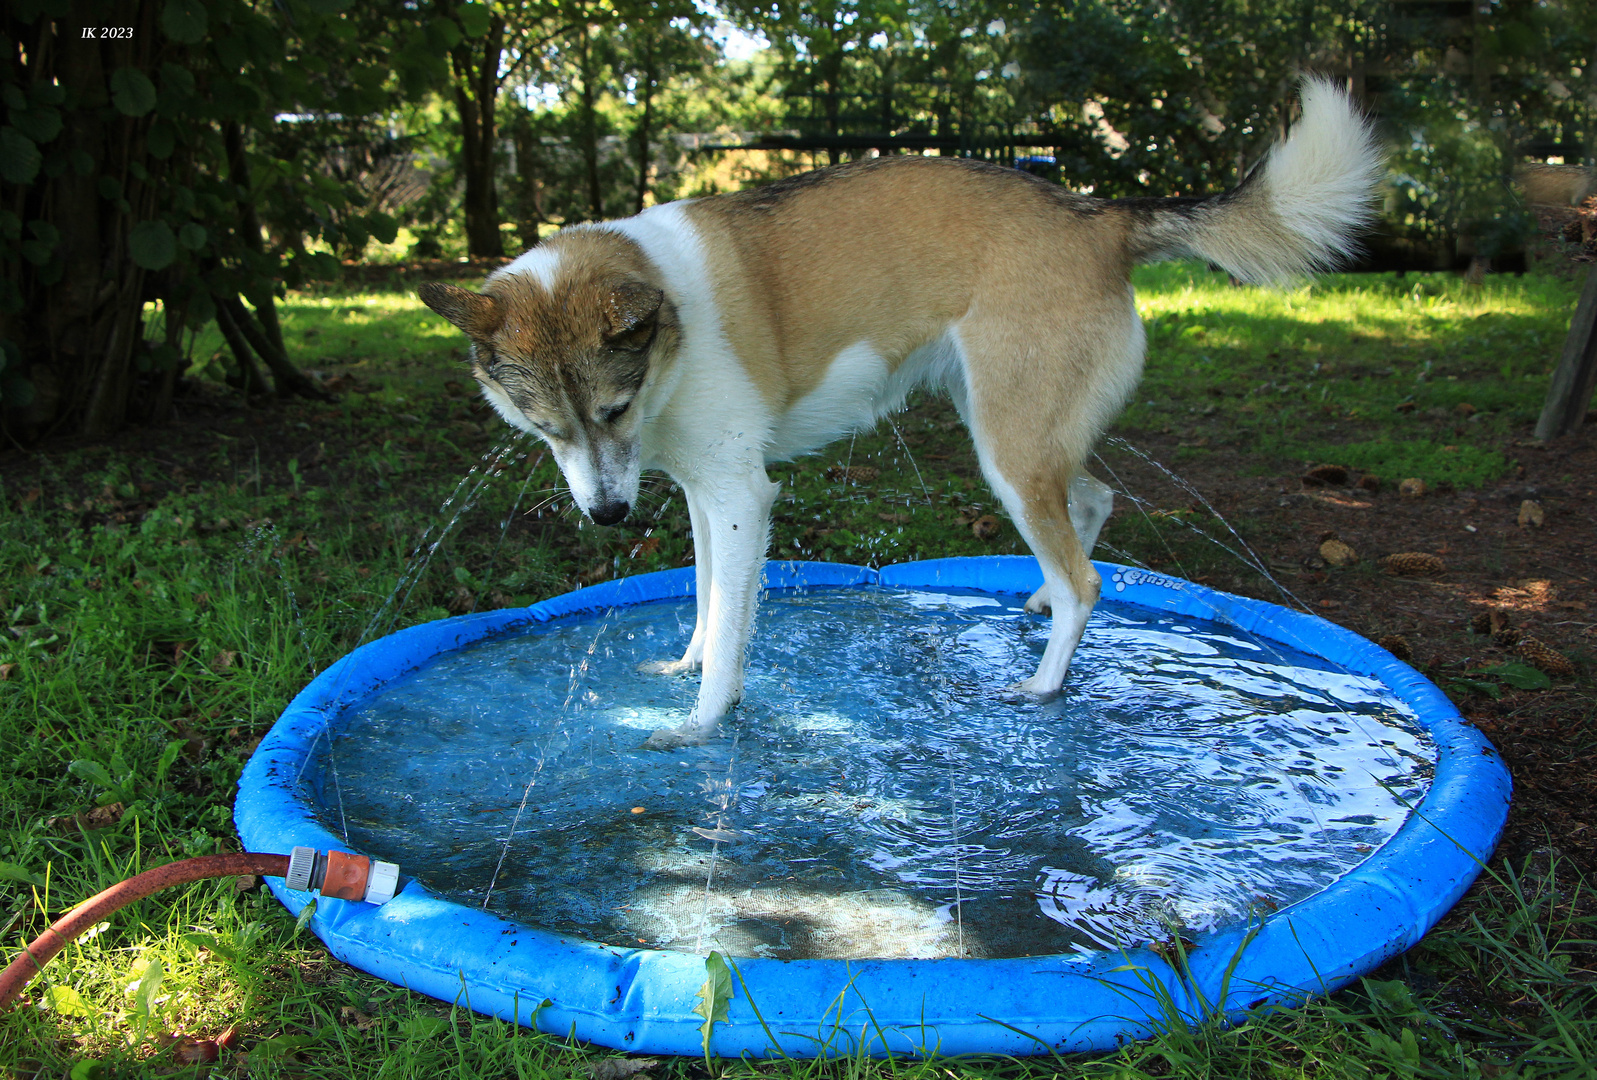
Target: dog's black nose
(608,513)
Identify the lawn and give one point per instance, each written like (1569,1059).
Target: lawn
(166,594)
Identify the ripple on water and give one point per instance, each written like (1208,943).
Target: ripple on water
(1187,776)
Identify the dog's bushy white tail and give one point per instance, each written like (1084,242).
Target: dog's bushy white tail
(1297,212)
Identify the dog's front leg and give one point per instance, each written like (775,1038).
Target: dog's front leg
(703,560)
(737,513)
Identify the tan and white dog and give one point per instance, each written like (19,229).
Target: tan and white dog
(709,337)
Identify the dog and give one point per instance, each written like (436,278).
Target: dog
(709,337)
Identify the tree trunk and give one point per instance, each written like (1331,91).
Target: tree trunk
(476,82)
(95,320)
(529,166)
(1570,392)
(650,76)
(290,380)
(590,127)
(250,379)
(831,72)
(250,227)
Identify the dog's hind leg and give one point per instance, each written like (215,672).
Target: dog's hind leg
(703,561)
(1091,501)
(1033,427)
(1038,503)
(737,526)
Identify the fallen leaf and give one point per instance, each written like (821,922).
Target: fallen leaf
(6,670)
(1412,488)
(223,661)
(103,817)
(1531,514)
(197,1051)
(985,527)
(356,1019)
(620,1068)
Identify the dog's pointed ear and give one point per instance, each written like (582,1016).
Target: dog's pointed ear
(476,314)
(631,313)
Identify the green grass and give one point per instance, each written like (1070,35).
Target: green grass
(1425,364)
(162,606)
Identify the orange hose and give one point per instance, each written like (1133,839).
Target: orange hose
(31,961)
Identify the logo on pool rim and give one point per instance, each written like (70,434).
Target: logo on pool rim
(1128,576)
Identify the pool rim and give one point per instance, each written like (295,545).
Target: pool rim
(642,1000)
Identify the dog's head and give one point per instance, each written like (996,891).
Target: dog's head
(569,357)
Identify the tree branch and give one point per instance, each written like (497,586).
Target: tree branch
(289,379)
(251,381)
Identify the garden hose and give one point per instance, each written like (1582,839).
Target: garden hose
(330,873)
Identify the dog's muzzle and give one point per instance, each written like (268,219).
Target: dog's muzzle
(609,513)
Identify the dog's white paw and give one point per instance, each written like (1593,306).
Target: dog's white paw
(1038,603)
(1033,689)
(683,666)
(674,738)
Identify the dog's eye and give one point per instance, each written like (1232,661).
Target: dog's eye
(610,416)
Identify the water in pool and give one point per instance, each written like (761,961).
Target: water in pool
(879,793)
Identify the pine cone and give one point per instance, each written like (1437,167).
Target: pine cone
(1495,623)
(1326,476)
(853,474)
(1540,655)
(1337,553)
(1412,563)
(1397,645)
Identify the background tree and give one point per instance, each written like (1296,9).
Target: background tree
(134,170)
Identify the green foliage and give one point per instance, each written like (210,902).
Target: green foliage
(1417,376)
(188,140)
(152,245)
(714,997)
(1462,464)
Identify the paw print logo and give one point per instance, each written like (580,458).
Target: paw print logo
(1126,576)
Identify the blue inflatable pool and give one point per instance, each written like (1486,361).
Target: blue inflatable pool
(640,993)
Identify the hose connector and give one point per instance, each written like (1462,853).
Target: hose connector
(341,875)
